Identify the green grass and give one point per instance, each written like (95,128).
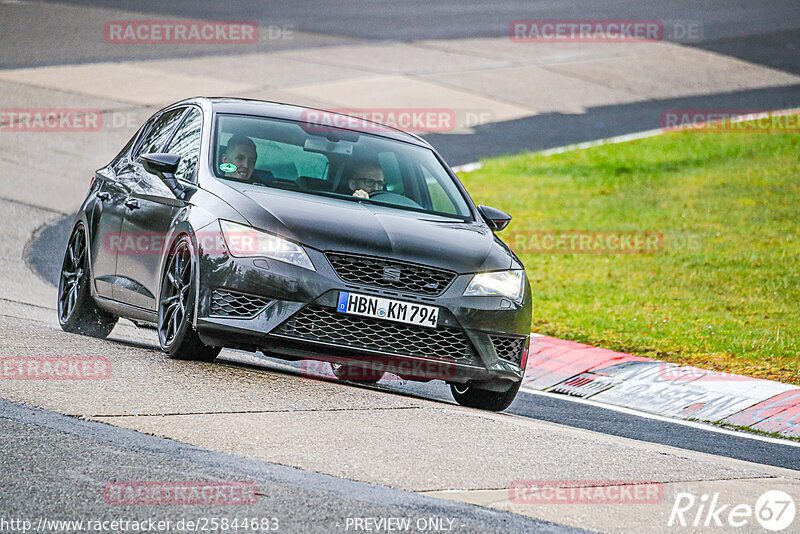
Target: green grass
(724,290)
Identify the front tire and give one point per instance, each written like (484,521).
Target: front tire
(176,335)
(484,399)
(77,311)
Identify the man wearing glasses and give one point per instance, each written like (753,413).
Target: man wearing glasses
(367,177)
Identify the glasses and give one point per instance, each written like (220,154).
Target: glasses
(369,182)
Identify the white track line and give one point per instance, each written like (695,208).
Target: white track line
(646,415)
(294,370)
(469,167)
(600,142)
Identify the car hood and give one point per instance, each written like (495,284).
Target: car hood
(332,224)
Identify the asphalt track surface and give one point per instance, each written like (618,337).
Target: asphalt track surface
(749,30)
(72,458)
(78,457)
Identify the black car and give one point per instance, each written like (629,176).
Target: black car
(303,234)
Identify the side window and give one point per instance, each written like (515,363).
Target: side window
(141,137)
(121,161)
(159,133)
(186,144)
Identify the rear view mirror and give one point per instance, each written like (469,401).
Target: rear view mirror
(495,218)
(328,146)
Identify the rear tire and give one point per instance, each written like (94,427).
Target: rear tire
(77,311)
(176,335)
(484,399)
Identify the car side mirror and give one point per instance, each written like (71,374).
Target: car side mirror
(164,166)
(495,218)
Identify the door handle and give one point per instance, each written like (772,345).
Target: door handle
(104,196)
(132,204)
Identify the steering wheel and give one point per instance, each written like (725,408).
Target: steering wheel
(393,198)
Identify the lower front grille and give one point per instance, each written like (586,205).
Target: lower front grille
(509,348)
(226,303)
(324,325)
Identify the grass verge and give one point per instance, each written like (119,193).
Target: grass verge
(722,289)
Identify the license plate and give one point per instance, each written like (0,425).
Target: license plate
(391,310)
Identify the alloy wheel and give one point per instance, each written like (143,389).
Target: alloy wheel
(71,275)
(175,294)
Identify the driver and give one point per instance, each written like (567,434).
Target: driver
(240,151)
(367,177)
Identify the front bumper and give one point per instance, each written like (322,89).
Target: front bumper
(287,311)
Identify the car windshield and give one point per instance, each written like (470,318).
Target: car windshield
(328,161)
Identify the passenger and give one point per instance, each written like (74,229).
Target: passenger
(240,151)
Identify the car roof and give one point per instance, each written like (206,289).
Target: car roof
(278,110)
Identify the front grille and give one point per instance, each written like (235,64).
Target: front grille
(509,348)
(317,323)
(381,272)
(238,305)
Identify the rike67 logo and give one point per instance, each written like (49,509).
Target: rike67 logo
(774,510)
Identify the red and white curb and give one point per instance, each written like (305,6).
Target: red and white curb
(661,388)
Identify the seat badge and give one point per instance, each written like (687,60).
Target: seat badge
(392,274)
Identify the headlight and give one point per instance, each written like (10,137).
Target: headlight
(509,284)
(244,241)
